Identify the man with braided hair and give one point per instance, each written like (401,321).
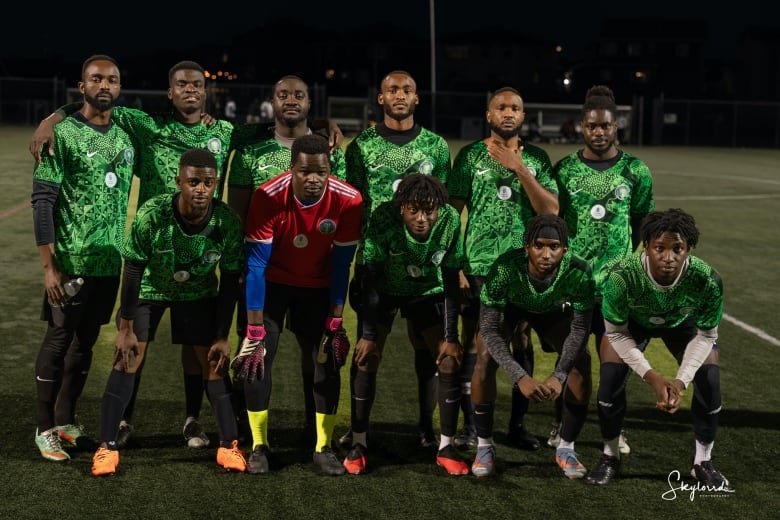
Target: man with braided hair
(663,292)
(412,255)
(301,229)
(551,289)
(604,193)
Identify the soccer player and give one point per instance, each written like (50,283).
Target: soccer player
(552,290)
(79,198)
(256,163)
(174,247)
(377,160)
(503,182)
(301,230)
(604,194)
(663,292)
(412,254)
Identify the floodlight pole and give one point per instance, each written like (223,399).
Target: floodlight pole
(433,65)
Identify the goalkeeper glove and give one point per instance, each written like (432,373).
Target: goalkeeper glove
(334,340)
(249,363)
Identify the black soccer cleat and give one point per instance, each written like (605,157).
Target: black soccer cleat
(710,477)
(606,468)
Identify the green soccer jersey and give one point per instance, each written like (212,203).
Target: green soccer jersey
(508,282)
(375,166)
(598,207)
(93,171)
(180,266)
(630,294)
(162,139)
(257,163)
(497,205)
(410,267)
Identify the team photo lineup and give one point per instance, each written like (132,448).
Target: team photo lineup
(248,233)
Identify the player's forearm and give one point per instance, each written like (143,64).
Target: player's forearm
(626,347)
(573,345)
(490,322)
(696,352)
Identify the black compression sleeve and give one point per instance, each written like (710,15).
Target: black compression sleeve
(451,305)
(131,286)
(44,196)
(370,300)
(226,302)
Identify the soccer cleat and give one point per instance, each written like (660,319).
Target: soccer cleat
(427,439)
(606,468)
(555,435)
(623,446)
(355,462)
(710,477)
(484,464)
(521,439)
(567,461)
(70,435)
(449,459)
(104,462)
(232,459)
(50,446)
(194,434)
(345,441)
(465,439)
(257,464)
(125,431)
(327,462)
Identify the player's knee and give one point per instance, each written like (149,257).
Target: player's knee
(449,365)
(706,383)
(612,379)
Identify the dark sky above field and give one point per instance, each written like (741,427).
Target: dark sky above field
(122,28)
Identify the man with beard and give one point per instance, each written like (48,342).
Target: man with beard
(175,245)
(503,182)
(79,198)
(377,160)
(604,194)
(259,162)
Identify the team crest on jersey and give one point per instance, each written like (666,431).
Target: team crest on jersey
(300,241)
(687,311)
(111,179)
(437,257)
(326,226)
(414,271)
(597,212)
(211,256)
(181,276)
(504,193)
(657,320)
(214,146)
(129,154)
(622,192)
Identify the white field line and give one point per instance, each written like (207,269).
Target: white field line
(751,329)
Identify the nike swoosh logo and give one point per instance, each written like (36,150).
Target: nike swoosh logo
(576,191)
(393,253)
(263,168)
(161,251)
(375,168)
(450,401)
(39,378)
(482,172)
(91,154)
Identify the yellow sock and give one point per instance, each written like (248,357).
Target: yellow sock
(325,424)
(258,422)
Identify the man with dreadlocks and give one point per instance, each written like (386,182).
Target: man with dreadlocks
(663,292)
(552,289)
(604,193)
(413,253)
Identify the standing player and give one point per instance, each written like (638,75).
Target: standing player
(253,165)
(175,245)
(301,232)
(663,292)
(502,182)
(552,290)
(604,193)
(79,198)
(413,253)
(377,160)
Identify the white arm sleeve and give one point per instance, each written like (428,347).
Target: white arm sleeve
(696,352)
(626,347)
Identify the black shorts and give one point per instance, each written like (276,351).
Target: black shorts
(469,306)
(422,312)
(192,322)
(303,308)
(675,339)
(95,302)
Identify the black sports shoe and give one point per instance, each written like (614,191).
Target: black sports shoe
(521,439)
(710,477)
(427,439)
(606,468)
(465,439)
(257,463)
(327,462)
(345,441)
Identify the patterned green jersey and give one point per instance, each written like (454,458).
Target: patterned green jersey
(93,171)
(375,166)
(257,163)
(161,140)
(630,294)
(180,266)
(497,205)
(598,207)
(508,282)
(413,268)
